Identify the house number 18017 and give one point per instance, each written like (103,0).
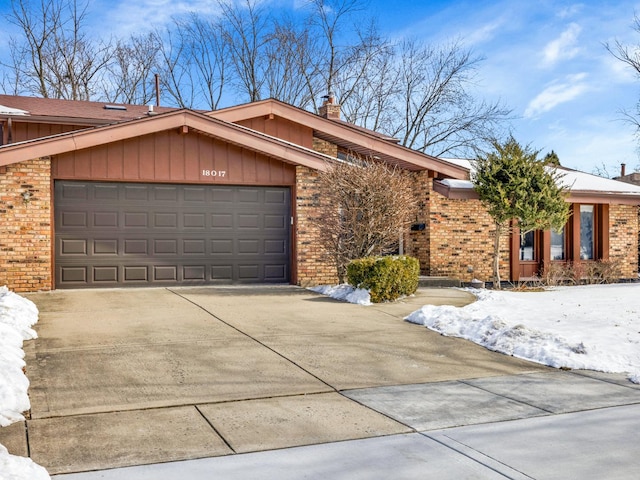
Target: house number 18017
(214,173)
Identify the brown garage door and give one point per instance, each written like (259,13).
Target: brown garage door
(133,234)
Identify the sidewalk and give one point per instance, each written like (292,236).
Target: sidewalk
(567,426)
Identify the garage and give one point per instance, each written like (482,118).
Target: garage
(114,234)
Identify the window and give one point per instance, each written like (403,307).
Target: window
(586,232)
(527,246)
(557,245)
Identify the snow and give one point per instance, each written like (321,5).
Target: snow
(573,180)
(592,327)
(345,292)
(17,316)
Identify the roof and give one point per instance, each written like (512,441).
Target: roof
(356,139)
(71,111)
(177,119)
(582,187)
(93,114)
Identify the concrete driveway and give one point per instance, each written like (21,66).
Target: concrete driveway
(141,376)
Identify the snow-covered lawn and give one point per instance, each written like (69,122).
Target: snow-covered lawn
(17,316)
(593,327)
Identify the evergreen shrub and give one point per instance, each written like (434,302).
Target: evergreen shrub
(386,278)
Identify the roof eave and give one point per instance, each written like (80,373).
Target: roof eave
(344,135)
(243,137)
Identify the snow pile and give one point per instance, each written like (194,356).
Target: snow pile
(20,468)
(588,327)
(345,292)
(17,315)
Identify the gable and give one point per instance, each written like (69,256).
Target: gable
(175,157)
(281,128)
(346,136)
(183,122)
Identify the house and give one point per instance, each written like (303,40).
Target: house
(98,195)
(603,226)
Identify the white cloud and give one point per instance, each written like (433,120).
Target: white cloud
(570,11)
(146,15)
(564,47)
(557,93)
(484,33)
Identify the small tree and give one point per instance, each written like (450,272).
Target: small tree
(516,187)
(367,206)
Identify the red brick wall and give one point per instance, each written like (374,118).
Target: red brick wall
(25,226)
(623,238)
(461,239)
(314,265)
(417,241)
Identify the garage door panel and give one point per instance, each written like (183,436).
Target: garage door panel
(165,194)
(165,273)
(105,247)
(136,192)
(105,192)
(222,221)
(136,247)
(275,273)
(248,195)
(111,234)
(194,247)
(136,273)
(74,219)
(136,220)
(165,220)
(105,219)
(105,274)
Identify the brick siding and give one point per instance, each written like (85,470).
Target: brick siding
(314,265)
(461,240)
(623,238)
(25,229)
(458,234)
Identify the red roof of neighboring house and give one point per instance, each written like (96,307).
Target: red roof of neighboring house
(73,111)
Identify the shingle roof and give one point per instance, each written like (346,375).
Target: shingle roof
(73,109)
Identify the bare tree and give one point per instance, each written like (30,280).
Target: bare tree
(369,204)
(56,58)
(176,69)
(130,76)
(329,16)
(245,30)
(293,74)
(439,115)
(631,56)
(209,58)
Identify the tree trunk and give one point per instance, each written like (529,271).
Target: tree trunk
(496,257)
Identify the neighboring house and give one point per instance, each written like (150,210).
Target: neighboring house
(98,195)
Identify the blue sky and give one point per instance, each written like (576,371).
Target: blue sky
(544,59)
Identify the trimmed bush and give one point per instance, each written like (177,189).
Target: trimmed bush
(386,278)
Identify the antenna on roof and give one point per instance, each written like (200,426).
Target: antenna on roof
(157,90)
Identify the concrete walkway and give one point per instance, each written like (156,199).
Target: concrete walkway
(282,383)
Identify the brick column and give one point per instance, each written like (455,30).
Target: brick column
(25,226)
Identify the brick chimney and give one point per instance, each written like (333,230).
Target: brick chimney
(329,108)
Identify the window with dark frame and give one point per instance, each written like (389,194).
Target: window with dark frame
(558,244)
(587,233)
(527,247)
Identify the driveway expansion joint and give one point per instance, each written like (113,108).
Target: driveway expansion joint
(262,344)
